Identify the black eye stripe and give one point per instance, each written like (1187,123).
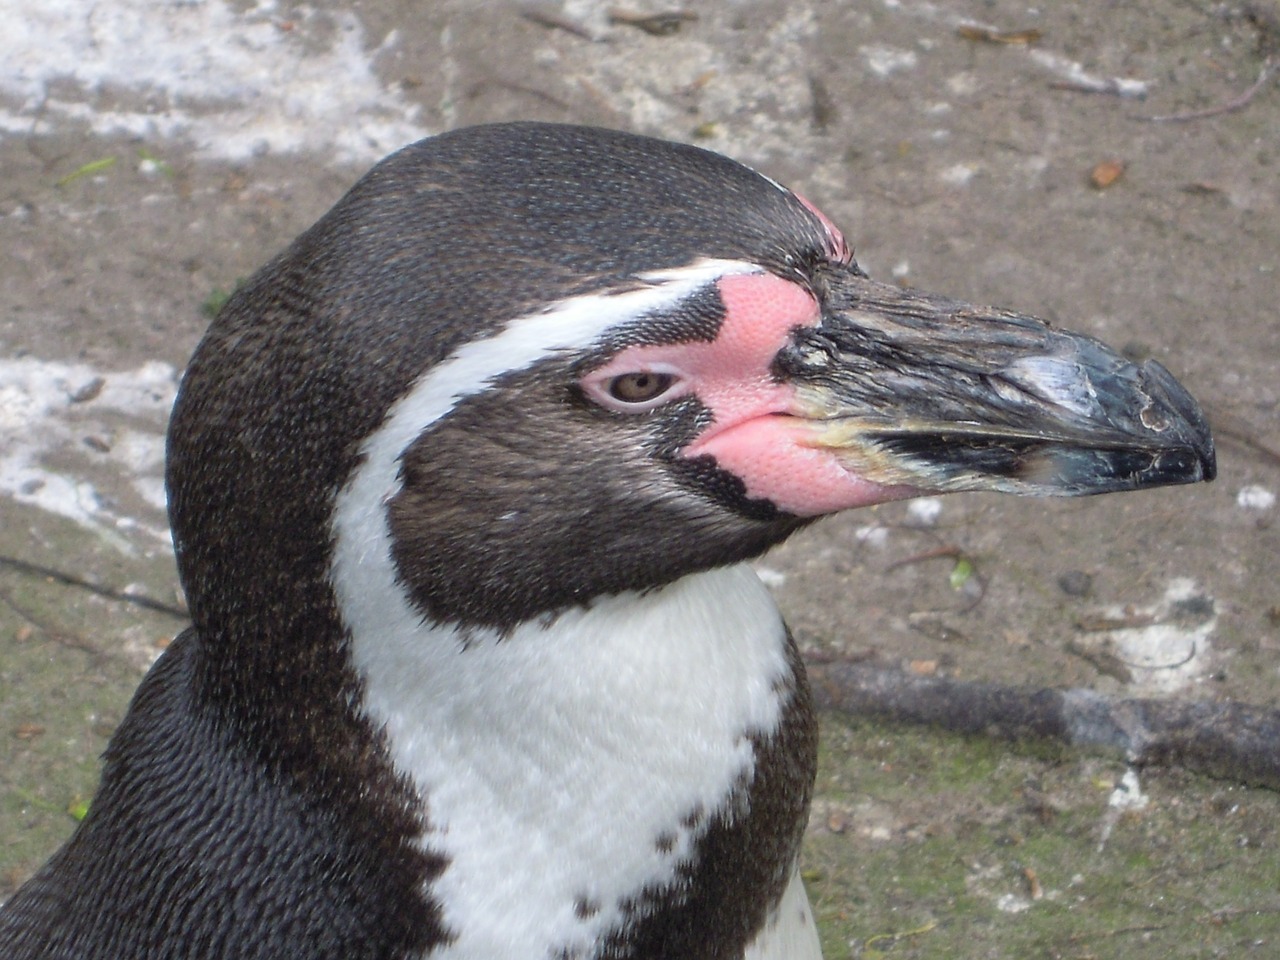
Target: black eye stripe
(695,319)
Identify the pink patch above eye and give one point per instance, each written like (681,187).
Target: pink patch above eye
(732,372)
(755,433)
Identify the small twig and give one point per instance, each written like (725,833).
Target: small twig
(981,34)
(1123,931)
(88,169)
(929,623)
(555,21)
(1074,77)
(901,934)
(1107,624)
(1114,86)
(1241,435)
(529,91)
(957,555)
(654,24)
(949,553)
(1231,106)
(36,570)
(1105,662)
(61,637)
(1162,666)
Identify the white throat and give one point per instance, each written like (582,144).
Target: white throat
(562,766)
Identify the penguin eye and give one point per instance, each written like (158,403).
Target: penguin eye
(622,388)
(632,388)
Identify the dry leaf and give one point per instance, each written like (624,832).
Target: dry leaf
(923,668)
(1106,173)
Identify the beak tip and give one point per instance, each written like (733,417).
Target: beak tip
(1192,433)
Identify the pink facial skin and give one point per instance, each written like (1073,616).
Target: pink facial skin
(757,432)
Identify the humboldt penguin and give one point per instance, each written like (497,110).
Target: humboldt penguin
(463,487)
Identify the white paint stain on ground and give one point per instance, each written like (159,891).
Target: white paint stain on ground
(1012,903)
(884,60)
(96,425)
(1128,794)
(1126,798)
(1071,72)
(236,83)
(1169,646)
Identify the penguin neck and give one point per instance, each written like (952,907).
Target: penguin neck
(577,759)
(703,650)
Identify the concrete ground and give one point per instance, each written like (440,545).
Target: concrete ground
(156,153)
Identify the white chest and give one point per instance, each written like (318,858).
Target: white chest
(563,767)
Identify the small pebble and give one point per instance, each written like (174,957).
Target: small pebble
(28,731)
(1254,497)
(925,511)
(89,391)
(874,535)
(1076,583)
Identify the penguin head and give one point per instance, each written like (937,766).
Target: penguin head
(521,366)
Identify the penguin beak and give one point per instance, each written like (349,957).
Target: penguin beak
(916,391)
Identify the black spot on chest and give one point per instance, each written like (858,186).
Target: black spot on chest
(724,896)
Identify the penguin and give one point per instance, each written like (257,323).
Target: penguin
(463,487)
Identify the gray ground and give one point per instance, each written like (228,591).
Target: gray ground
(954,164)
